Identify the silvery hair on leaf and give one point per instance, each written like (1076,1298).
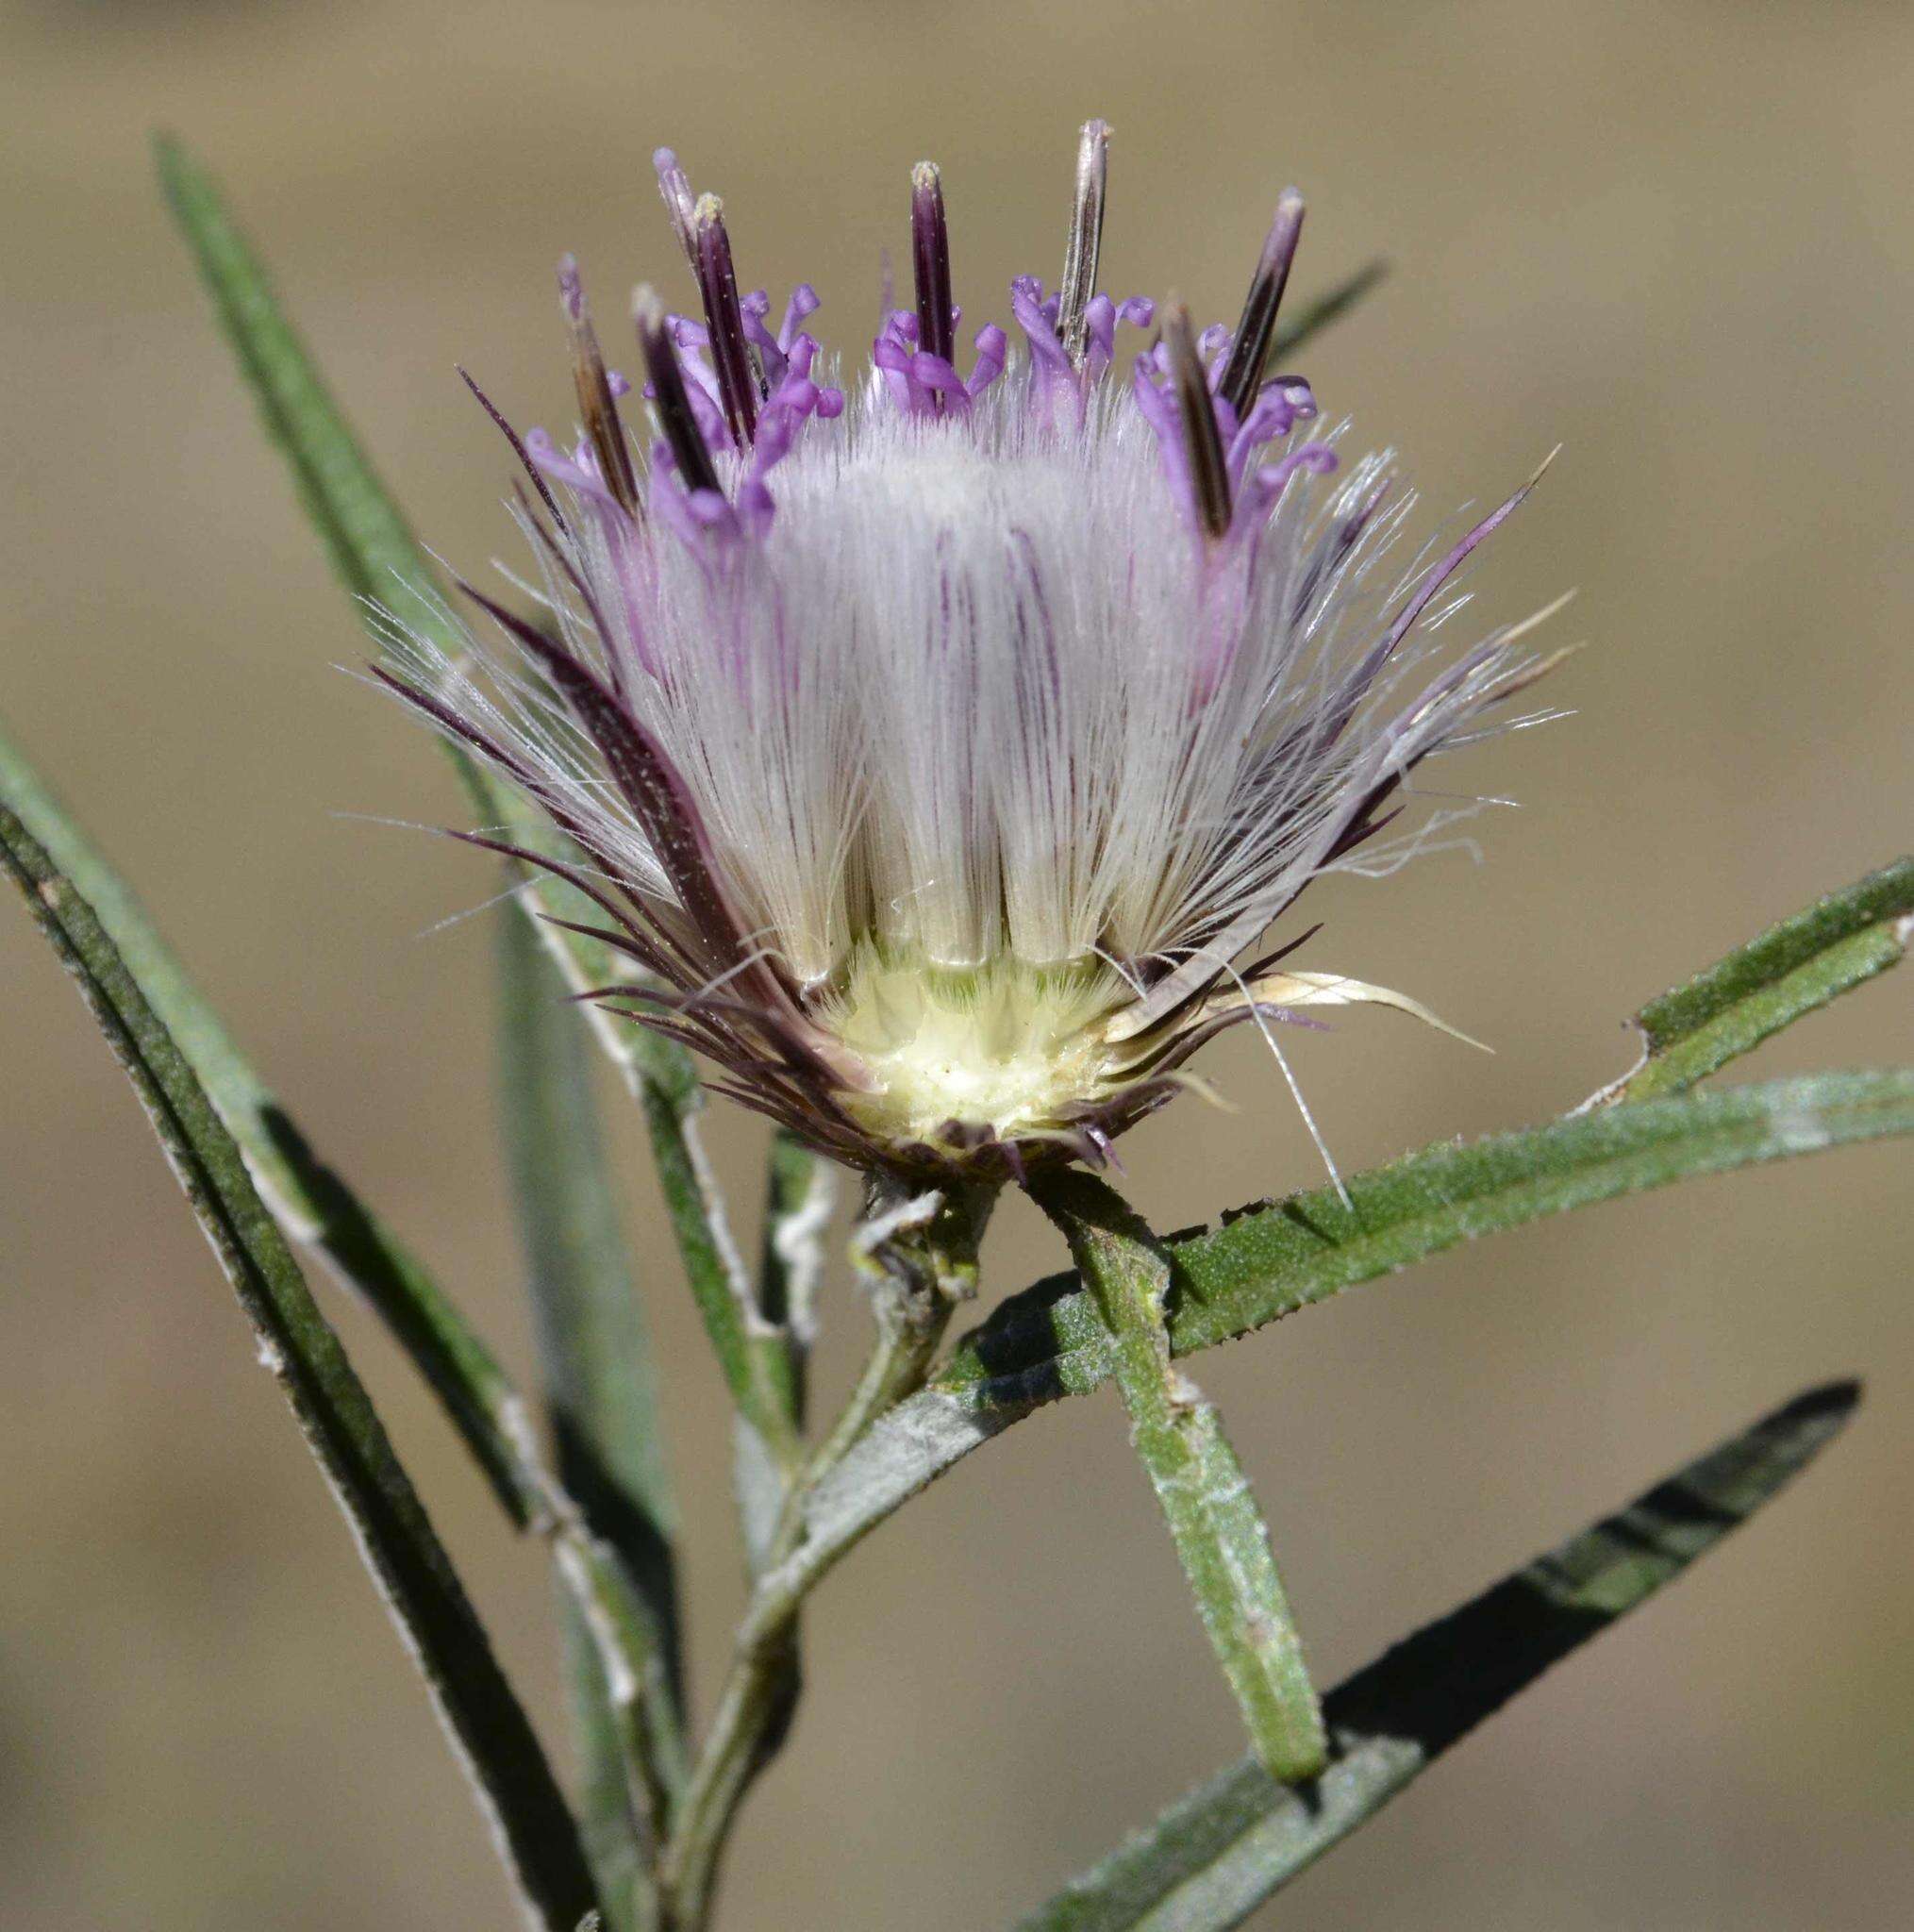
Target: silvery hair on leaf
(937,748)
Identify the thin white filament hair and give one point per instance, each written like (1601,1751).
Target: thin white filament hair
(981,690)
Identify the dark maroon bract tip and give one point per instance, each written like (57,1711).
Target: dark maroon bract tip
(1202,439)
(930,263)
(689,449)
(1243,374)
(739,385)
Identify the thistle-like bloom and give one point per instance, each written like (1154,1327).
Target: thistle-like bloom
(936,747)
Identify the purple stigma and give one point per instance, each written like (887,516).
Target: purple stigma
(1243,374)
(571,289)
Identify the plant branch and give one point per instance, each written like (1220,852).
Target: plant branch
(1220,1535)
(920,1255)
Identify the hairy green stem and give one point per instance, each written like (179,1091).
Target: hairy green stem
(920,1256)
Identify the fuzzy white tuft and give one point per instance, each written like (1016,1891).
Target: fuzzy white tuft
(994,756)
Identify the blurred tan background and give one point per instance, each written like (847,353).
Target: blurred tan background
(1676,237)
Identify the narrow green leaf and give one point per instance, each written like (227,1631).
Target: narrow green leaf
(312,1203)
(315,1207)
(370,546)
(1220,1535)
(376,556)
(1272,1260)
(1323,309)
(1216,1854)
(367,538)
(590,1325)
(712,1264)
(604,1400)
(1269,1259)
(630,1745)
(1836,944)
(409,1564)
(611,1826)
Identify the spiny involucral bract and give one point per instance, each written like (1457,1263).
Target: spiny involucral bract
(934,747)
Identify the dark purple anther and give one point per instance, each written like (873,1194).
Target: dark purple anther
(930,261)
(732,361)
(598,407)
(688,446)
(1243,374)
(1085,239)
(1197,411)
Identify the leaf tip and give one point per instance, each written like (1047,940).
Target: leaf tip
(1830,1403)
(170,156)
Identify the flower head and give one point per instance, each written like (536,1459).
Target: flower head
(935,745)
